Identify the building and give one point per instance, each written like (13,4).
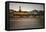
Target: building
(20,12)
(34,12)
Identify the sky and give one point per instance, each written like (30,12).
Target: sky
(25,7)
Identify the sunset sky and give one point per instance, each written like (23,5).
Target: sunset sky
(25,7)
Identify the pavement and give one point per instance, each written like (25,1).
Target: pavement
(18,22)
